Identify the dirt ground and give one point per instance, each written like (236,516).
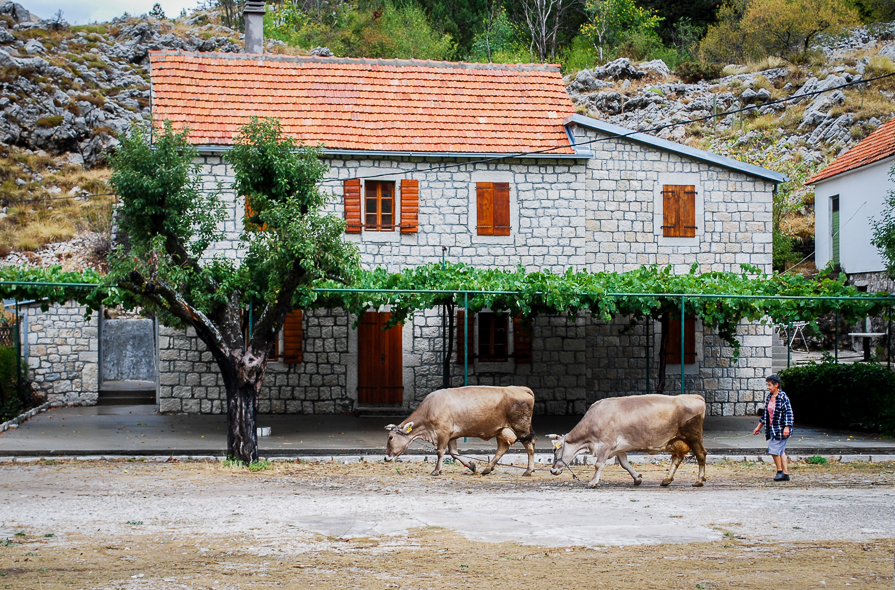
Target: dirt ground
(132,525)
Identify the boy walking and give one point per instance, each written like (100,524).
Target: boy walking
(777,419)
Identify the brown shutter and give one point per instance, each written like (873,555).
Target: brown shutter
(688,211)
(460,339)
(484,198)
(671,211)
(679,211)
(501,208)
(522,340)
(410,206)
(248,222)
(292,337)
(351,194)
(673,349)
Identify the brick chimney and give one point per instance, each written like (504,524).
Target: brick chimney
(254,23)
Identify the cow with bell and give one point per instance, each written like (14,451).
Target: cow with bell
(652,424)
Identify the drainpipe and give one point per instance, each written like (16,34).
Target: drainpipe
(254,24)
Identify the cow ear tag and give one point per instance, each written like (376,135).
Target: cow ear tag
(409,430)
(555,445)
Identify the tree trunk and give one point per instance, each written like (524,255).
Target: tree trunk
(663,354)
(243,377)
(449,313)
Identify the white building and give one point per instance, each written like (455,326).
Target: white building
(848,195)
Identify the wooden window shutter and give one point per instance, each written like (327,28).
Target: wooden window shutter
(351,194)
(673,348)
(410,206)
(522,340)
(484,200)
(470,353)
(501,208)
(678,211)
(249,221)
(292,337)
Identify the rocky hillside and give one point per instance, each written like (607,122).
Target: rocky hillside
(66,92)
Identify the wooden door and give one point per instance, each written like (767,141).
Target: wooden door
(380,364)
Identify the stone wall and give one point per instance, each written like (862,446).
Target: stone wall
(62,353)
(602,214)
(190,381)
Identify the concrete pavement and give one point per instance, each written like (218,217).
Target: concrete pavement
(141,431)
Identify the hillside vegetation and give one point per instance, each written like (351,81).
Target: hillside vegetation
(66,91)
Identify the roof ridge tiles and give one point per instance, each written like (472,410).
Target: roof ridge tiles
(164,55)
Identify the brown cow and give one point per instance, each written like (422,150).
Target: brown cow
(480,411)
(645,423)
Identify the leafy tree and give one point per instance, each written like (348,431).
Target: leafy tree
(166,266)
(608,21)
(884,230)
(783,28)
(157,12)
(499,39)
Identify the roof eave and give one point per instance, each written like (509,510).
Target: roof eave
(671,146)
(887,159)
(580,154)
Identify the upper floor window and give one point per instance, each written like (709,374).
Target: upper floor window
(378,210)
(678,211)
(379,205)
(492,208)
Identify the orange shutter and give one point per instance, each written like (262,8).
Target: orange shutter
(470,354)
(522,340)
(292,337)
(410,206)
(484,198)
(673,348)
(249,222)
(351,194)
(678,211)
(501,208)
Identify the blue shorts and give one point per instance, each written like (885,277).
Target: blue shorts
(777,447)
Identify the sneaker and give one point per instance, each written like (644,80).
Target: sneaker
(785,477)
(781,476)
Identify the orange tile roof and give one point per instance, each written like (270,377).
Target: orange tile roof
(878,145)
(365,104)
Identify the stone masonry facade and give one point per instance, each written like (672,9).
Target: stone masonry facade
(62,353)
(602,214)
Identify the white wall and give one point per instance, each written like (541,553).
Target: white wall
(862,194)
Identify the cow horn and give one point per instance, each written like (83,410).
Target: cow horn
(390,427)
(408,427)
(553,436)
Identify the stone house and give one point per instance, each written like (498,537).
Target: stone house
(848,195)
(484,164)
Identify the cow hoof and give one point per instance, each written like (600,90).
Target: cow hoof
(638,481)
(526,474)
(472,466)
(593,485)
(436,472)
(666,482)
(486,471)
(698,484)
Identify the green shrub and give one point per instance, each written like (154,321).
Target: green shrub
(861,395)
(53,121)
(783,256)
(694,71)
(10,404)
(815,460)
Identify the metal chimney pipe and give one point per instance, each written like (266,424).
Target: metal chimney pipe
(253,13)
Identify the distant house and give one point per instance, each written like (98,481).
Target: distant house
(487,164)
(848,195)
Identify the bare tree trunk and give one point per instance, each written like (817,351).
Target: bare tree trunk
(663,350)
(243,377)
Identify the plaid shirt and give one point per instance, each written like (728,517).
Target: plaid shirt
(782,417)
